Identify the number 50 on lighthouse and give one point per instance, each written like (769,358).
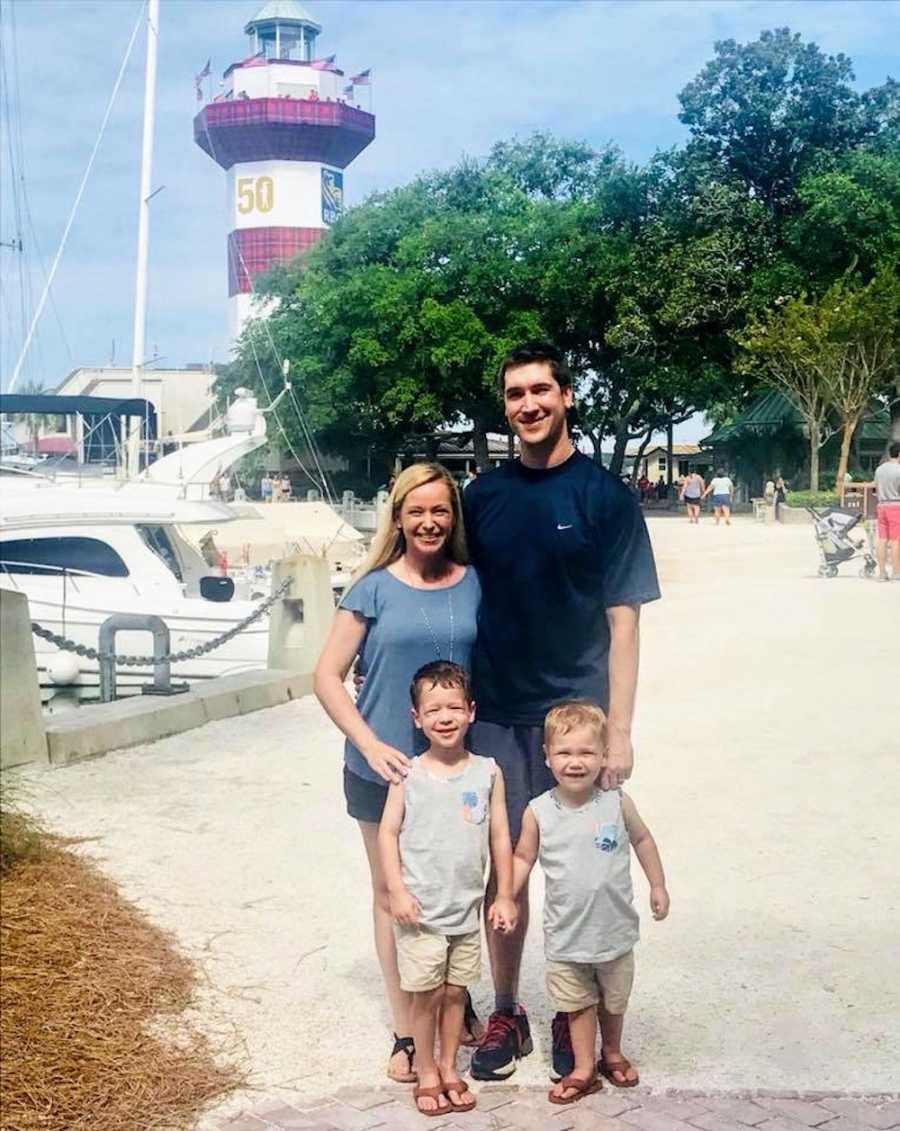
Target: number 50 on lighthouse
(255,194)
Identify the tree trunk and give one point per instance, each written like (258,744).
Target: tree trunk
(814,443)
(480,446)
(670,446)
(848,427)
(636,466)
(619,446)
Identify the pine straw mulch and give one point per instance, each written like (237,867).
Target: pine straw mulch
(91,997)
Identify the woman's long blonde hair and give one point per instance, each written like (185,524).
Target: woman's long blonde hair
(389,544)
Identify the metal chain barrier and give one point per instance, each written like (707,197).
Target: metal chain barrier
(67,645)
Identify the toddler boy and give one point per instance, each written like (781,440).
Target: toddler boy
(438,828)
(583,836)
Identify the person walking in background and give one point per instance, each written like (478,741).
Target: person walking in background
(414,600)
(470,477)
(778,497)
(722,489)
(265,488)
(287,489)
(662,489)
(887,489)
(565,563)
(691,494)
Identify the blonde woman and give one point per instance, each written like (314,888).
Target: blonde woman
(414,600)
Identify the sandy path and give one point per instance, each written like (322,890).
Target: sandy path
(767,749)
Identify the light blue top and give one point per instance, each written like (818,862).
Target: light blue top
(406,628)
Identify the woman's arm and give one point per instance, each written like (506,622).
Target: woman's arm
(348,631)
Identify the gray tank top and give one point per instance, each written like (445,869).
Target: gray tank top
(585,854)
(444,843)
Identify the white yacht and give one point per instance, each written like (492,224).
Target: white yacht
(81,550)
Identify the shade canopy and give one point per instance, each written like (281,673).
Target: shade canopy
(24,404)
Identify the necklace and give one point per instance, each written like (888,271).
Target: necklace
(430,627)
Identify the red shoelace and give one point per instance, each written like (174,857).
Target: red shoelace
(499,1025)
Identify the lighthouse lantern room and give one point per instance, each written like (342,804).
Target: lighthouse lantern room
(284,129)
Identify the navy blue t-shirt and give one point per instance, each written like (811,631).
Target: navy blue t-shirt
(554,549)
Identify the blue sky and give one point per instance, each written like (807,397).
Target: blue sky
(451,77)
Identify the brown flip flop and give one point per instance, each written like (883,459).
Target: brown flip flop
(582,1088)
(432,1093)
(458,1086)
(608,1067)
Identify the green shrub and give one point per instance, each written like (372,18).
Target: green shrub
(816,499)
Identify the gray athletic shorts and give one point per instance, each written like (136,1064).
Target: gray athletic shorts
(519,752)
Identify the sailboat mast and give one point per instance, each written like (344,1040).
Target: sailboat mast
(140,293)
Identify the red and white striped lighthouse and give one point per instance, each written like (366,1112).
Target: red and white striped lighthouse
(284,128)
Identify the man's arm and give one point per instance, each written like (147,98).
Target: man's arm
(648,854)
(526,852)
(403,905)
(624,656)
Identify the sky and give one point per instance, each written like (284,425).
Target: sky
(451,77)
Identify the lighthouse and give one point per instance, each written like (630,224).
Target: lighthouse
(284,128)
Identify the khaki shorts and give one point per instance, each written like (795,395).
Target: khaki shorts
(427,959)
(577,985)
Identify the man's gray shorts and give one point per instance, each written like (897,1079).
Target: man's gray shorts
(519,752)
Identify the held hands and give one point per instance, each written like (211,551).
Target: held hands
(404,907)
(388,762)
(659,902)
(503,914)
(619,758)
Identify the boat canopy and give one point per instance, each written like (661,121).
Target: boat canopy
(12,404)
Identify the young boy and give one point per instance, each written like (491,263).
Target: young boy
(582,835)
(437,829)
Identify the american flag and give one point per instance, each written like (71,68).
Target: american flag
(198,80)
(364,78)
(323,64)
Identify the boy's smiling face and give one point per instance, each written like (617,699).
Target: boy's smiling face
(576,758)
(443,714)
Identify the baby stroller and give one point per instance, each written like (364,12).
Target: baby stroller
(832,529)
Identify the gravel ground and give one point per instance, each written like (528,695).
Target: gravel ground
(767,744)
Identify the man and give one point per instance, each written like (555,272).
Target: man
(887,488)
(565,563)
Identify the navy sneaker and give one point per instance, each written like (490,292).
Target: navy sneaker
(563,1059)
(507,1040)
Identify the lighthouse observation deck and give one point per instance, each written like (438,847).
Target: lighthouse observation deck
(286,129)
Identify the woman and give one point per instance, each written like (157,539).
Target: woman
(721,488)
(691,494)
(779,496)
(413,601)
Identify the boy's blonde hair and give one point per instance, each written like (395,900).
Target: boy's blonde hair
(572,714)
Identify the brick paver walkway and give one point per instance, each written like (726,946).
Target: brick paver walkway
(506,1108)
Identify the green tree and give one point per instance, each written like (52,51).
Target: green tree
(831,355)
(764,109)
